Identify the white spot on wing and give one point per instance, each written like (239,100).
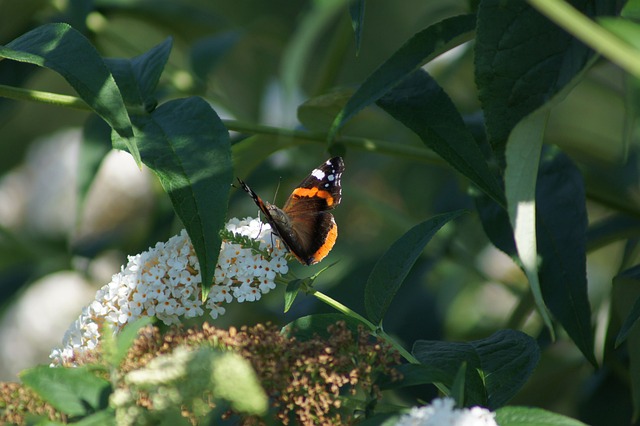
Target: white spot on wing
(318,174)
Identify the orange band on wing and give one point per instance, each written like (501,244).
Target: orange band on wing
(326,247)
(314,192)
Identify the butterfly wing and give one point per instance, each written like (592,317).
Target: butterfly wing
(312,227)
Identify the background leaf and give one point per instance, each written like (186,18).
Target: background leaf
(54,46)
(392,268)
(74,391)
(186,145)
(422,47)
(420,104)
(497,366)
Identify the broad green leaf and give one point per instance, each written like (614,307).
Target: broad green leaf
(522,60)
(356,11)
(523,157)
(96,144)
(624,296)
(66,51)
(186,145)
(392,268)
(561,227)
(420,49)
(531,416)
(497,366)
(291,293)
(419,103)
(561,223)
(74,391)
(138,77)
(308,327)
(629,276)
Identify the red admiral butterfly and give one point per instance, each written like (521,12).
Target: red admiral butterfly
(305,224)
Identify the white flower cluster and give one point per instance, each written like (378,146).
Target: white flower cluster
(442,412)
(165,282)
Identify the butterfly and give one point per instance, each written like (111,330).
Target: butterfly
(305,224)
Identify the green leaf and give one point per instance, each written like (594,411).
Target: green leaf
(420,49)
(138,77)
(457,388)
(523,157)
(308,327)
(420,104)
(290,293)
(630,322)
(186,145)
(497,366)
(105,417)
(356,11)
(624,296)
(392,268)
(67,52)
(530,416)
(522,60)
(561,226)
(74,391)
(125,338)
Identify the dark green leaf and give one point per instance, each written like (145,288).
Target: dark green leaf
(67,52)
(308,327)
(630,276)
(497,366)
(530,416)
(356,10)
(138,77)
(290,294)
(522,60)
(610,229)
(420,104)
(624,296)
(392,268)
(421,48)
(457,388)
(561,226)
(74,391)
(186,145)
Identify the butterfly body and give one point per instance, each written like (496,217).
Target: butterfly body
(305,224)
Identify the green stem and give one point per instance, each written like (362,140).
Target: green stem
(376,331)
(43,97)
(590,33)
(382,147)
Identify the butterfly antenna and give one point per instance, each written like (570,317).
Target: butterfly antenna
(277,189)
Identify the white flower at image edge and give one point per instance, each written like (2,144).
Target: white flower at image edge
(442,412)
(165,282)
